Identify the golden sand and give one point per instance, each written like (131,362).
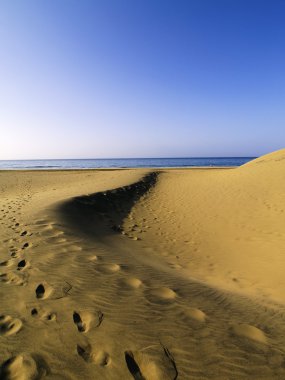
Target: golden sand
(135,274)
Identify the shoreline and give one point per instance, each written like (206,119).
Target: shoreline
(113,169)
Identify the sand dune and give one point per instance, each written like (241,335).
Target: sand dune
(223,226)
(134,274)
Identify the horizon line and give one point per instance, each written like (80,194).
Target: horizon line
(124,158)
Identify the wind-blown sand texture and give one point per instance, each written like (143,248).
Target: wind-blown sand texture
(136,274)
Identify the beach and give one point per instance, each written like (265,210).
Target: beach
(155,274)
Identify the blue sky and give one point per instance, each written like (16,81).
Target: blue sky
(141,78)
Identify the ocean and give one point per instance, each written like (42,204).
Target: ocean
(122,163)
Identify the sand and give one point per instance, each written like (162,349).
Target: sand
(142,274)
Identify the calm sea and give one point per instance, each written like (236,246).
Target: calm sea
(122,163)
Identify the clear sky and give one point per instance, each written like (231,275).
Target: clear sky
(141,78)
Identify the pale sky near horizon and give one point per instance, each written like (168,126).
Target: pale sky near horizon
(141,78)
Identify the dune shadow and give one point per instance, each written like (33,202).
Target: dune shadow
(101,214)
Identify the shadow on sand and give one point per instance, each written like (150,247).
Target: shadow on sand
(101,214)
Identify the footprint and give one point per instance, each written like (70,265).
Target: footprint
(24,367)
(108,268)
(162,294)
(43,291)
(19,368)
(136,238)
(12,278)
(85,320)
(40,291)
(93,258)
(6,263)
(100,358)
(250,332)
(133,366)
(26,245)
(82,321)
(22,264)
(132,282)
(150,364)
(9,325)
(195,314)
(34,312)
(47,315)
(85,352)
(24,233)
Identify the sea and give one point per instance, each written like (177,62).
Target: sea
(122,163)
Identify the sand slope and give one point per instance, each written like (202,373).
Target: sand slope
(176,274)
(224,226)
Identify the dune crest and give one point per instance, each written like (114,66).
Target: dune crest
(273,157)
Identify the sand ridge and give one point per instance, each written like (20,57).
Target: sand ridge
(116,284)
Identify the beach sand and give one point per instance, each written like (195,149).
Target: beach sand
(143,274)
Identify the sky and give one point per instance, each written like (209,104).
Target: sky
(141,78)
